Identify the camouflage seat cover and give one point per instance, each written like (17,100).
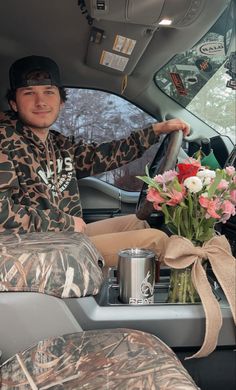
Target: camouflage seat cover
(63,264)
(104,359)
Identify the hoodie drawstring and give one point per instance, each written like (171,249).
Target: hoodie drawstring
(49,147)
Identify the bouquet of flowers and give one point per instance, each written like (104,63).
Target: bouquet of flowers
(193,198)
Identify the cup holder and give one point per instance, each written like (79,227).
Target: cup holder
(109,294)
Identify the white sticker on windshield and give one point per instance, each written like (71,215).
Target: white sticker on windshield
(213,48)
(124,45)
(113,61)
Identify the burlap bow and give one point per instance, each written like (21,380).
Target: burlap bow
(182,253)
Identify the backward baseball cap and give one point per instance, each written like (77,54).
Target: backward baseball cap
(21,69)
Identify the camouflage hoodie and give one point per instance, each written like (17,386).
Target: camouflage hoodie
(38,181)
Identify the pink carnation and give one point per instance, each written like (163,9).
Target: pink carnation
(154,196)
(230,171)
(176,197)
(223,185)
(165,178)
(228,209)
(210,205)
(233,196)
(157,206)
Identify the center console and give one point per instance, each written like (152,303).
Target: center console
(179,325)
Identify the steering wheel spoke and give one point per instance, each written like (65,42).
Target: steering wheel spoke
(164,160)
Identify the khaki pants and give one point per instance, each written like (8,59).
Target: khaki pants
(111,235)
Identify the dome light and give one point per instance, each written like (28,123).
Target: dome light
(165,22)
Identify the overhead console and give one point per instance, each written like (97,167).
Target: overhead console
(146,12)
(122,30)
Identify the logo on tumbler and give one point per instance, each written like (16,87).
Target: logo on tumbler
(147,289)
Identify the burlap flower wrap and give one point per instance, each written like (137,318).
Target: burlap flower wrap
(63,264)
(182,253)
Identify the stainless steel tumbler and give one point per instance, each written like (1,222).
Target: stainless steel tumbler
(136,276)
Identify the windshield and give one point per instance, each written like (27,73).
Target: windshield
(199,78)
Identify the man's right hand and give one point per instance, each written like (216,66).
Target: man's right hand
(80,225)
(170,125)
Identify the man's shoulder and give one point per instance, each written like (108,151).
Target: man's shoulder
(8,122)
(8,125)
(8,118)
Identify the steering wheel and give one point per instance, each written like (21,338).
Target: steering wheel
(164,160)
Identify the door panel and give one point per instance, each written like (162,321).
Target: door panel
(102,200)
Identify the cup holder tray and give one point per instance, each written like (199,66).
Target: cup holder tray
(109,294)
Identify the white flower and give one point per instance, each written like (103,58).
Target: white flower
(206,176)
(207,181)
(193,183)
(205,173)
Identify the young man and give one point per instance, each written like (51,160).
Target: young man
(39,168)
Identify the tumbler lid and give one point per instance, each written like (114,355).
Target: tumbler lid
(137,253)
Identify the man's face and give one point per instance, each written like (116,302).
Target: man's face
(38,106)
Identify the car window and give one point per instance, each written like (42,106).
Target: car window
(100,116)
(202,79)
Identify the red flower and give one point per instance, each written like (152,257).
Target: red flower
(186,170)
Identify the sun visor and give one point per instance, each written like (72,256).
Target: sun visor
(117,47)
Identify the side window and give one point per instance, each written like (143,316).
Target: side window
(100,116)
